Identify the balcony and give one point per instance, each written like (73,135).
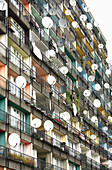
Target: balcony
(11,157)
(3,22)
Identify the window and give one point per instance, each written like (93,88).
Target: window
(56,140)
(72,167)
(57,163)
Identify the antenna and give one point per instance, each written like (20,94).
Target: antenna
(36,123)
(47,22)
(61,42)
(79,69)
(97,87)
(96,103)
(51,80)
(63,23)
(83,18)
(64,70)
(48,125)
(94,66)
(14,139)
(86,93)
(106,85)
(65,116)
(91,78)
(21,82)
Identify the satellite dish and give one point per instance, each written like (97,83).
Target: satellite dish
(83,128)
(97,87)
(61,42)
(85,112)
(94,119)
(53,11)
(79,69)
(52,53)
(14,139)
(83,17)
(108,72)
(94,66)
(91,78)
(86,93)
(100,46)
(65,116)
(107,60)
(64,70)
(96,24)
(21,82)
(62,89)
(105,128)
(110,118)
(63,23)
(36,123)
(72,2)
(106,85)
(74,24)
(93,137)
(87,9)
(74,109)
(68,12)
(48,125)
(96,103)
(89,26)
(47,22)
(82,136)
(51,80)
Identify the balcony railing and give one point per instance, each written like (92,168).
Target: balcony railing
(35,163)
(39,135)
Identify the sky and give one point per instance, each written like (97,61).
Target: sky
(102,13)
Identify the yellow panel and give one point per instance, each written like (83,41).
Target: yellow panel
(95,41)
(79,32)
(68,17)
(97,140)
(100,109)
(79,50)
(89,47)
(106,114)
(89,63)
(103,54)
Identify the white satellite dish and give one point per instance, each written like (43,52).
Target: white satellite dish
(79,69)
(97,87)
(83,17)
(108,60)
(61,42)
(74,109)
(106,85)
(21,82)
(36,123)
(68,12)
(89,26)
(93,137)
(74,24)
(85,112)
(108,72)
(72,2)
(14,139)
(48,125)
(110,118)
(53,11)
(47,22)
(86,93)
(65,116)
(63,23)
(52,53)
(96,103)
(91,78)
(87,9)
(96,24)
(64,70)
(105,128)
(100,46)
(51,80)
(94,119)
(94,66)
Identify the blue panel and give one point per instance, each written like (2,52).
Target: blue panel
(2,138)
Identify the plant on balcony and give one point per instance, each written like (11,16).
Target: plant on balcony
(77,101)
(68,98)
(22,158)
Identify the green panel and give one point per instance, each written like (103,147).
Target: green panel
(27,121)
(69,55)
(70,76)
(2,107)
(2,138)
